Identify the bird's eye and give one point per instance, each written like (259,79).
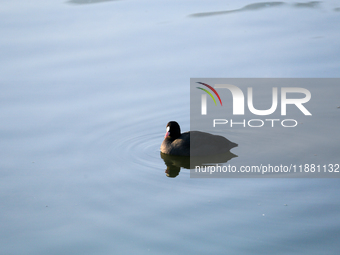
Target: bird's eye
(167,129)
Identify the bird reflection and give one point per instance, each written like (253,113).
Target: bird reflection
(175,163)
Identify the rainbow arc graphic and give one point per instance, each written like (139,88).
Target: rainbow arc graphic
(209,93)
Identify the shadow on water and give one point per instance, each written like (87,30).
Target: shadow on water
(256,6)
(175,163)
(312,4)
(249,7)
(88,1)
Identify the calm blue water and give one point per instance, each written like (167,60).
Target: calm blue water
(87,88)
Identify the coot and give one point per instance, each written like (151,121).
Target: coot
(203,144)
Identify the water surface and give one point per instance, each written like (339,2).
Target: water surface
(86,92)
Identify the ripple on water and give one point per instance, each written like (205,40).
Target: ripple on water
(141,149)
